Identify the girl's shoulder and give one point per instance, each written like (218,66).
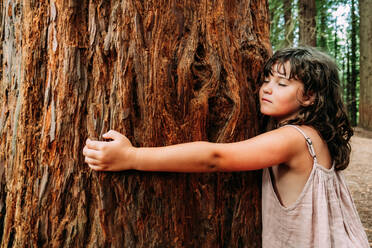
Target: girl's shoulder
(311,145)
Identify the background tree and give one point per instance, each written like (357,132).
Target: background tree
(354,60)
(348,83)
(162,72)
(353,76)
(335,41)
(307,24)
(282,23)
(289,23)
(325,24)
(365,106)
(277,24)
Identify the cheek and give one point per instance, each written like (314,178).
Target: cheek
(287,103)
(260,92)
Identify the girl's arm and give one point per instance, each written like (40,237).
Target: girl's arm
(262,151)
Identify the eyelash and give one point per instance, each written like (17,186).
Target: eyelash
(279,83)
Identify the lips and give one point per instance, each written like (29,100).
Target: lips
(265,100)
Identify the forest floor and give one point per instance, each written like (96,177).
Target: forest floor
(359,177)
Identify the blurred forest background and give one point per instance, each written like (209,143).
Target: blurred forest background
(332,26)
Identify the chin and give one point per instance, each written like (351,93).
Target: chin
(265,112)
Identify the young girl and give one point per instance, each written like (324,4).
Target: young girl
(305,200)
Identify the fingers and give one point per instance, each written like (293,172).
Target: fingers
(92,161)
(93,144)
(94,154)
(103,155)
(112,135)
(96,167)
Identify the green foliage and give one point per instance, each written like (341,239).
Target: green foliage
(276,23)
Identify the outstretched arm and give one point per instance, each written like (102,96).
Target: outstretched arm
(261,151)
(119,154)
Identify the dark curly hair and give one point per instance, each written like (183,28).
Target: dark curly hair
(319,74)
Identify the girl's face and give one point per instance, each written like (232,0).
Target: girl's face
(281,97)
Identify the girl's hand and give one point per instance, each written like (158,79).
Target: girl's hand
(112,155)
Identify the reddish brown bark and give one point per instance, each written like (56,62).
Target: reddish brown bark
(160,72)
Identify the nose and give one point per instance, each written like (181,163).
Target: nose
(266,88)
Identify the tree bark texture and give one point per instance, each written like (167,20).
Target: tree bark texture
(307,24)
(162,72)
(289,23)
(365,29)
(353,64)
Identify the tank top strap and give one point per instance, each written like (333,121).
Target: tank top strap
(308,141)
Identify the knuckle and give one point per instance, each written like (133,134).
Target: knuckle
(100,156)
(85,151)
(102,146)
(103,155)
(94,167)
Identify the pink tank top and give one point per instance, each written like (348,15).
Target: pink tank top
(323,216)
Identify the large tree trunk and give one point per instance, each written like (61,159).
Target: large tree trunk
(289,23)
(365,29)
(307,23)
(322,41)
(162,72)
(353,61)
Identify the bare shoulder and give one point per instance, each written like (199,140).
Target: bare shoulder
(287,134)
(293,139)
(319,145)
(287,141)
(309,131)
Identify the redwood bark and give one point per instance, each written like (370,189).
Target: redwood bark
(307,23)
(162,72)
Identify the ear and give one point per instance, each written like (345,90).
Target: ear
(308,99)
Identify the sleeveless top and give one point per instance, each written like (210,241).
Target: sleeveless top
(324,215)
